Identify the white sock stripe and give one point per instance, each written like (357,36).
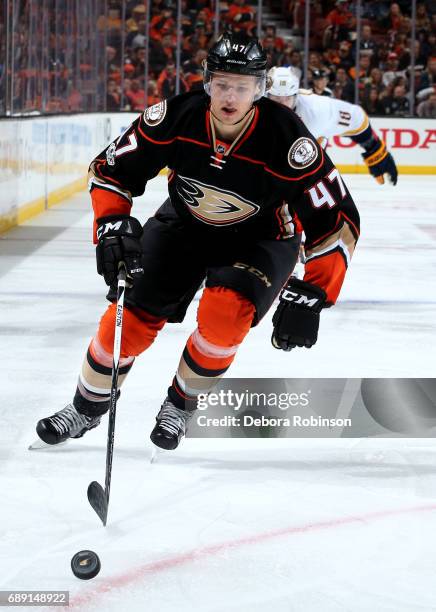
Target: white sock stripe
(180,381)
(105,358)
(85,393)
(88,387)
(211,350)
(188,390)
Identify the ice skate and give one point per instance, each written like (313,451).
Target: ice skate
(171,426)
(67,423)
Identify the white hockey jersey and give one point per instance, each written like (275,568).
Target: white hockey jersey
(326,117)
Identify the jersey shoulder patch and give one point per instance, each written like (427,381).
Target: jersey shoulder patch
(303,153)
(153,115)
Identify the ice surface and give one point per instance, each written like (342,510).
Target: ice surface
(247,525)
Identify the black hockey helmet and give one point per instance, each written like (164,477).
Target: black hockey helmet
(236,53)
(319,74)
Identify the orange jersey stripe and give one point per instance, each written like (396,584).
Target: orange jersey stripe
(107,203)
(327,272)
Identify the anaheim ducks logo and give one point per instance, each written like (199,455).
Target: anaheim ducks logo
(153,115)
(302,153)
(212,205)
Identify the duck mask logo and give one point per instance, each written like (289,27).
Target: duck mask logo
(212,205)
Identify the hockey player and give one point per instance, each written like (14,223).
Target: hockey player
(245,176)
(325,117)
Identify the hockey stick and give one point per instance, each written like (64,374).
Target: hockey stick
(97,496)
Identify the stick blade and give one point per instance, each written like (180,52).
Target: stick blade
(98,500)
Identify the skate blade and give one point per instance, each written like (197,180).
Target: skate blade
(157,452)
(39,444)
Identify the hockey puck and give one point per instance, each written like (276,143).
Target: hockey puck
(85,564)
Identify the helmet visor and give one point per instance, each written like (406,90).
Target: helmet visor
(240,85)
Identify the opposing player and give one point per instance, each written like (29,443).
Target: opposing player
(245,176)
(326,117)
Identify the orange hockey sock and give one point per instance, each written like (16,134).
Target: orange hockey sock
(224,318)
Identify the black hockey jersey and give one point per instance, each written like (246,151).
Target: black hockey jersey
(271,182)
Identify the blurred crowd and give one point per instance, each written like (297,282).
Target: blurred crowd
(386,49)
(197,34)
(120,71)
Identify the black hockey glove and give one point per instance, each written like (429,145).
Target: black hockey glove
(380,162)
(119,241)
(296,319)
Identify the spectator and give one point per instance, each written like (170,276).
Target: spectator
(201,37)
(193,68)
(157,57)
(392,69)
(204,11)
(138,61)
(406,59)
(422,18)
(169,43)
(136,96)
(270,48)
(188,17)
(296,62)
(364,67)
(137,41)
(428,77)
(113,97)
(393,20)
(279,43)
(343,81)
(161,24)
(320,79)
(132,24)
(129,70)
(367,43)
(152,93)
(371,102)
(112,62)
(74,101)
(112,25)
(204,17)
(338,91)
(427,108)
(428,44)
(315,61)
(125,105)
(399,45)
(344,59)
(166,82)
(113,21)
(285,56)
(241,16)
(375,80)
(340,21)
(397,105)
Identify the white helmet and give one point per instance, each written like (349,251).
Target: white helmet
(282,82)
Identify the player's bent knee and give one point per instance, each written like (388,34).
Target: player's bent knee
(224,316)
(138,332)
